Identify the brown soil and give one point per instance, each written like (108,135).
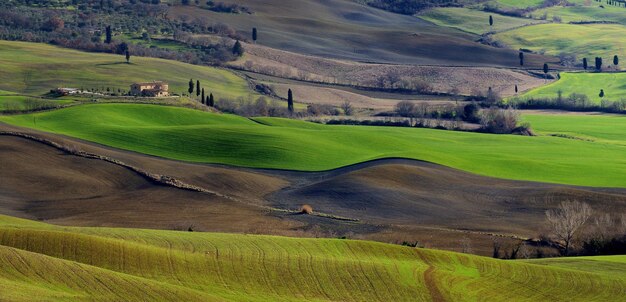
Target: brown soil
(391,200)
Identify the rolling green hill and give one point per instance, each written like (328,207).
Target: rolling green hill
(588,84)
(589,40)
(583,10)
(31,68)
(471,20)
(101,264)
(197,136)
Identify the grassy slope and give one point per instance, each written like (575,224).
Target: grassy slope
(517,3)
(605,129)
(592,40)
(204,137)
(608,265)
(31,68)
(74,264)
(584,83)
(580,11)
(470,20)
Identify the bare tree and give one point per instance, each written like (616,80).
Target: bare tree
(566,220)
(347,108)
(405,108)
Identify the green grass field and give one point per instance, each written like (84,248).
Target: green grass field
(31,68)
(602,129)
(584,13)
(589,84)
(22,102)
(516,3)
(592,40)
(471,20)
(197,136)
(55,263)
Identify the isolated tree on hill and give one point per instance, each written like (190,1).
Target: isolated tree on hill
(491,22)
(347,108)
(598,64)
(601,93)
(616,60)
(197,88)
(516,89)
(202,98)
(238,49)
(566,220)
(545,71)
(521,59)
(290,101)
(191,86)
(211,100)
(127,56)
(108,36)
(585,64)
(254,34)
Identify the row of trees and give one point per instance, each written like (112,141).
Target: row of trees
(207,100)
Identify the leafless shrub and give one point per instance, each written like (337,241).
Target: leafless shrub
(466,245)
(405,108)
(566,220)
(306,209)
(500,121)
(347,108)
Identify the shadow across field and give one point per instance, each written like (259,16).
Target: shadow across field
(388,200)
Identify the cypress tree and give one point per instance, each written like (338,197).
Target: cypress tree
(290,101)
(197,88)
(211,100)
(202,98)
(490,20)
(516,89)
(615,60)
(254,34)
(127,56)
(585,64)
(190,87)
(601,93)
(521,58)
(238,49)
(108,35)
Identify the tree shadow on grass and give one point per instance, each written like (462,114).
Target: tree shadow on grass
(116,63)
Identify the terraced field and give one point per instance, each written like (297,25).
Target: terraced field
(31,68)
(100,264)
(196,136)
(588,84)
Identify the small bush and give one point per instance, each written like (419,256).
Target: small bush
(306,209)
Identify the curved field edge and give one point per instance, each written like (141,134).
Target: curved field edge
(196,136)
(68,263)
(588,84)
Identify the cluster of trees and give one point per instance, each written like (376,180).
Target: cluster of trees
(231,8)
(204,99)
(492,118)
(410,7)
(577,231)
(573,102)
(93,25)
